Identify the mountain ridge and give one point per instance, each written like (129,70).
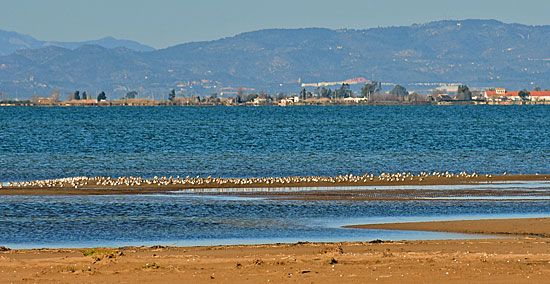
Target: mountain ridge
(11,42)
(479,53)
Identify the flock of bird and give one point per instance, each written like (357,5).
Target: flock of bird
(88,182)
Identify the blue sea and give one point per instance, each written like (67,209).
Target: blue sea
(54,142)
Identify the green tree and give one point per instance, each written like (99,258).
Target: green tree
(463,93)
(241,97)
(101,97)
(84,96)
(524,94)
(214,98)
(76,95)
(317,92)
(131,95)
(371,88)
(172,95)
(343,92)
(325,93)
(537,89)
(415,97)
(251,97)
(399,90)
(263,95)
(304,94)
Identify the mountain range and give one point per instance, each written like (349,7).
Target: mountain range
(479,53)
(11,42)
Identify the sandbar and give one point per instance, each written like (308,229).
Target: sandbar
(535,227)
(251,189)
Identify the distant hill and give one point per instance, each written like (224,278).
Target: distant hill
(12,41)
(107,42)
(479,53)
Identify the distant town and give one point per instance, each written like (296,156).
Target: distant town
(310,94)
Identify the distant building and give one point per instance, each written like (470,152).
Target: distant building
(444,98)
(500,95)
(540,96)
(500,91)
(355,100)
(262,101)
(351,81)
(286,102)
(44,101)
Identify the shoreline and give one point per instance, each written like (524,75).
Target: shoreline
(340,187)
(339,102)
(514,259)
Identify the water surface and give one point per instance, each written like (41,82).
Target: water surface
(56,142)
(183,219)
(39,143)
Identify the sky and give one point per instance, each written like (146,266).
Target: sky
(164,23)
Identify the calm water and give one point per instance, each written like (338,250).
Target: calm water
(181,219)
(38,143)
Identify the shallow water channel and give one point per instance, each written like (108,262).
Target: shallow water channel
(188,219)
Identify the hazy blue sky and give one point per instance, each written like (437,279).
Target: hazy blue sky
(162,23)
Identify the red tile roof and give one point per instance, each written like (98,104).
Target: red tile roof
(539,93)
(516,93)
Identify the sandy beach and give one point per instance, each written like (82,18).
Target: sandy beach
(519,258)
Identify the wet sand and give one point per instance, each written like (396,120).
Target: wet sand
(519,259)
